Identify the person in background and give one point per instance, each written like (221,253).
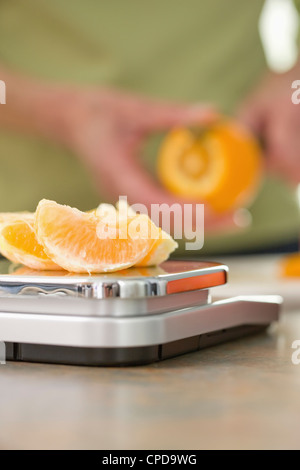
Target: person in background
(88,82)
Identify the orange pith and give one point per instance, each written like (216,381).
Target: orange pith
(220,166)
(6,217)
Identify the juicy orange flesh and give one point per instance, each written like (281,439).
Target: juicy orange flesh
(221,167)
(21,235)
(59,237)
(195,161)
(75,234)
(203,171)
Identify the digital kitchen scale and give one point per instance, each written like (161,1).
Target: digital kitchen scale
(135,316)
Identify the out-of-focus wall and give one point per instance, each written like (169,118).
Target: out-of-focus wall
(278,27)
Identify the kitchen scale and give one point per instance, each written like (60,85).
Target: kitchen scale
(135,316)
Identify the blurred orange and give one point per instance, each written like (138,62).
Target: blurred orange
(290,265)
(220,165)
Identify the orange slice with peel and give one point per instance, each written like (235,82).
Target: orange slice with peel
(220,165)
(82,242)
(18,243)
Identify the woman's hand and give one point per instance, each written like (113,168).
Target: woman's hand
(105,128)
(269,111)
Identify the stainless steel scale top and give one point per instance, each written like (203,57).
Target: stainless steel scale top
(172,277)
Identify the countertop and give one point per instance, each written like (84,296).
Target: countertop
(240,395)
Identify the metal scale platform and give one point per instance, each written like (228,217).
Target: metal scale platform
(132,317)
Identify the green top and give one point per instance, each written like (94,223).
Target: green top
(184,50)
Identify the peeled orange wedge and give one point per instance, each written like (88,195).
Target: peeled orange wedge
(105,239)
(160,251)
(84,242)
(18,243)
(164,244)
(220,165)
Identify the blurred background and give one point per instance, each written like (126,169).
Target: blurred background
(279,30)
(86,88)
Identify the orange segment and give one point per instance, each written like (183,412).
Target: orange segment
(101,240)
(221,166)
(163,246)
(81,242)
(18,243)
(290,265)
(160,252)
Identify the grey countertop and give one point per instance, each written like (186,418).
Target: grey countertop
(244,394)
